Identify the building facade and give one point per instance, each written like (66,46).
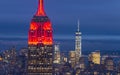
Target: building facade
(95,57)
(72,58)
(78,44)
(40,44)
(57,56)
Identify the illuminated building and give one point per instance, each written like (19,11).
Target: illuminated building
(40,32)
(72,58)
(82,63)
(64,58)
(78,44)
(95,57)
(23,51)
(77,71)
(1,58)
(56,54)
(10,55)
(67,73)
(109,64)
(118,68)
(66,70)
(40,42)
(103,59)
(79,68)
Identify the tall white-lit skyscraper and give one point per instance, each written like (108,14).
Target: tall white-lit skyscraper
(57,54)
(78,43)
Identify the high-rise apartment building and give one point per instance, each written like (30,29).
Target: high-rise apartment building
(40,44)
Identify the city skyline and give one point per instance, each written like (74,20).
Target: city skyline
(94,16)
(99,21)
(57,46)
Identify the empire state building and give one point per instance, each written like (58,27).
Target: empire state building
(40,44)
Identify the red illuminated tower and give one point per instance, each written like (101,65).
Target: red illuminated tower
(40,28)
(40,42)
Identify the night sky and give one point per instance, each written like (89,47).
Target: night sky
(99,19)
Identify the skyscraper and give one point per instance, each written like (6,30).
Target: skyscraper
(78,43)
(94,57)
(72,58)
(40,44)
(57,57)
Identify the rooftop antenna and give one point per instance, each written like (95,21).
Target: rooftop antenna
(78,25)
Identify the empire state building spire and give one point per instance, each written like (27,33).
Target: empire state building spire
(40,10)
(78,43)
